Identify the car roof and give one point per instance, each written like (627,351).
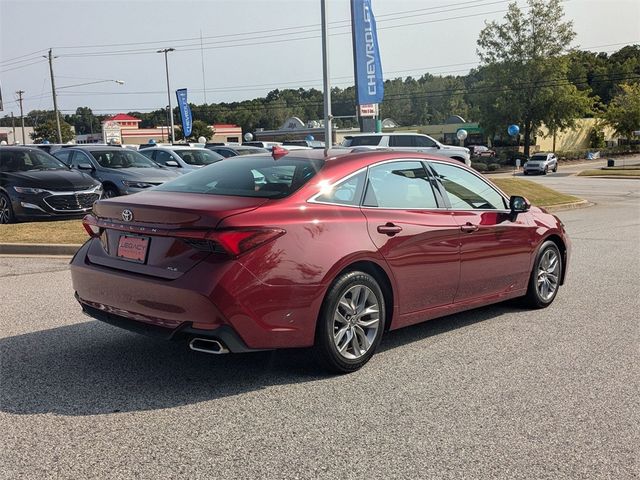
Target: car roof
(100,147)
(20,148)
(382,133)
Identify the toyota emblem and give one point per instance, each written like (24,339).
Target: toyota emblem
(127,215)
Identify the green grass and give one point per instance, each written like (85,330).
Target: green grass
(72,232)
(612,172)
(63,232)
(537,194)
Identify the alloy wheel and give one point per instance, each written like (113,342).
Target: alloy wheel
(5,210)
(548,274)
(355,322)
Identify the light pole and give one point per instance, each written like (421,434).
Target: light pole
(328,130)
(119,82)
(166,65)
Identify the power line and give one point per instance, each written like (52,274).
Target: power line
(315,26)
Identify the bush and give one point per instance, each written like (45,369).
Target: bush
(493,167)
(479,166)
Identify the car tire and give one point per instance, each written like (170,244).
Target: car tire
(544,280)
(109,192)
(347,336)
(545,171)
(6,210)
(524,172)
(555,169)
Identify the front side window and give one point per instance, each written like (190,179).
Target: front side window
(198,157)
(347,192)
(467,191)
(162,157)
(424,141)
(122,158)
(399,185)
(248,177)
(28,160)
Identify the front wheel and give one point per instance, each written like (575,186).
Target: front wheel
(351,323)
(555,169)
(545,277)
(6,210)
(109,192)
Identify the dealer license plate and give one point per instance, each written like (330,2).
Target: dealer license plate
(133,248)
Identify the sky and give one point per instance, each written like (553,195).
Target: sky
(249,47)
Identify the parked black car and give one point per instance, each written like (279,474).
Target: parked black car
(36,186)
(120,170)
(235,150)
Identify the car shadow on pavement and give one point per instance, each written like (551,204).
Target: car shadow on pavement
(92,368)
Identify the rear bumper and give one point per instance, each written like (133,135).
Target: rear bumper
(210,298)
(224,334)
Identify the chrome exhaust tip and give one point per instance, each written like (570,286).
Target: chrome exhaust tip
(207,345)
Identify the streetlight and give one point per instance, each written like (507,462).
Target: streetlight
(166,65)
(119,82)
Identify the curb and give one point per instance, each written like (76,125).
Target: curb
(38,249)
(569,206)
(621,177)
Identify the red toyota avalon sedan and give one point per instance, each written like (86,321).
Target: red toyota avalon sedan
(313,249)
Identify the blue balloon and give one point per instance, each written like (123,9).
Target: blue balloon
(45,142)
(513,130)
(309,138)
(151,141)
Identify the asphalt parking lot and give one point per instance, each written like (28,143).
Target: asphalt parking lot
(497,392)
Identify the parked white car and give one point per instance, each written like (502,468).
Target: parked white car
(411,142)
(541,163)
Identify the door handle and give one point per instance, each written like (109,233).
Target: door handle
(469,227)
(389,229)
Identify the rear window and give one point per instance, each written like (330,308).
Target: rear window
(361,140)
(249,151)
(261,177)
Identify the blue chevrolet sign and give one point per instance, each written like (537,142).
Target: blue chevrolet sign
(185,111)
(366,54)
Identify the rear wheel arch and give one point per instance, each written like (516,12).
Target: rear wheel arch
(381,276)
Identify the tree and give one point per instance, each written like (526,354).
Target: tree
(198,129)
(84,121)
(48,131)
(623,113)
(524,73)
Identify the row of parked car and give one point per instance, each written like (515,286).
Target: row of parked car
(38,185)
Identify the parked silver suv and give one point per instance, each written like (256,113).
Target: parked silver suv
(410,142)
(541,163)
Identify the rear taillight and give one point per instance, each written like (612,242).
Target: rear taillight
(90,224)
(230,241)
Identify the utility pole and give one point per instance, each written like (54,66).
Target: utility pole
(166,65)
(328,130)
(53,92)
(20,93)
(13,126)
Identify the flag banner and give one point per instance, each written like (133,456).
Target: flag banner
(185,111)
(366,54)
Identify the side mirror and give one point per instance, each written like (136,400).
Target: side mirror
(518,204)
(171,163)
(85,166)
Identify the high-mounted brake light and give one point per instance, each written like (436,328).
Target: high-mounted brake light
(277,151)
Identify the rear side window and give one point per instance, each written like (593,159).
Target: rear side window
(347,192)
(361,140)
(261,177)
(402,141)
